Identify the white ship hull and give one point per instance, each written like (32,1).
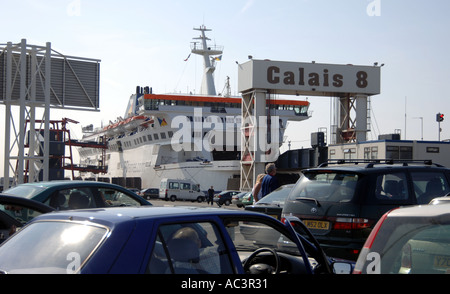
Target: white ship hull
(141,163)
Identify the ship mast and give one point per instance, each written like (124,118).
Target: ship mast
(208,87)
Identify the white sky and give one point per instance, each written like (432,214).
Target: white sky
(145,42)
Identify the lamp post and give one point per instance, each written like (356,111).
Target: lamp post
(421,126)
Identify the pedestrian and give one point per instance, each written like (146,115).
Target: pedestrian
(269,182)
(256,191)
(211,195)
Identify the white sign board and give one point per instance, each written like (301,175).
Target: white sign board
(295,78)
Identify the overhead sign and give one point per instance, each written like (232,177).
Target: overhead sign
(75,81)
(296,78)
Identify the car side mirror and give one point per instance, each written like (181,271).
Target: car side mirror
(342,267)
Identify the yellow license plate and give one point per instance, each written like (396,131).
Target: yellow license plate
(441,261)
(316,225)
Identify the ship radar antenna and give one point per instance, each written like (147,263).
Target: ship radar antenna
(208,52)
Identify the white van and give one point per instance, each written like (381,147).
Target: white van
(175,189)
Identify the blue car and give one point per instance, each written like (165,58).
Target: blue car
(162,240)
(64,195)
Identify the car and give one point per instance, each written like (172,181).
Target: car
(149,193)
(180,189)
(247,199)
(225,197)
(134,190)
(162,240)
(341,201)
(272,204)
(408,240)
(237,199)
(66,194)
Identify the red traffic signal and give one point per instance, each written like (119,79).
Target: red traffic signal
(439,117)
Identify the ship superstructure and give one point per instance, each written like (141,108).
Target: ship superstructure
(194,137)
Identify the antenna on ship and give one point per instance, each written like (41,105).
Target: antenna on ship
(208,87)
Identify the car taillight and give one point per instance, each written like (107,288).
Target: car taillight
(362,258)
(351,223)
(406,262)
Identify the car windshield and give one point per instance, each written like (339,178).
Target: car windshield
(25,191)
(276,197)
(50,247)
(325,186)
(414,245)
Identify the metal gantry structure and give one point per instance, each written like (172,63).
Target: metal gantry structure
(32,77)
(350,86)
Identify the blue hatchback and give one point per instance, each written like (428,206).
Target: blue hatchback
(161,240)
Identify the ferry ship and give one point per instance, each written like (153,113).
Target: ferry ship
(194,137)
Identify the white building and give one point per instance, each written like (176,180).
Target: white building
(436,151)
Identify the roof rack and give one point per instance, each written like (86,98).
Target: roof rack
(371,162)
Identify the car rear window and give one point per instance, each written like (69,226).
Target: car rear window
(25,191)
(325,186)
(50,247)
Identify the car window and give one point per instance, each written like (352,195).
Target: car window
(51,247)
(19,213)
(429,185)
(326,186)
(73,198)
(412,246)
(113,197)
(185,186)
(391,187)
(26,191)
(278,196)
(189,248)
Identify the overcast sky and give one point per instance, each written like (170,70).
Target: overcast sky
(146,42)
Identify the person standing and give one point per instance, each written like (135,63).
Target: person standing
(211,195)
(269,182)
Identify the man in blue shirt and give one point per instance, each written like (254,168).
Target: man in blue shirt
(269,182)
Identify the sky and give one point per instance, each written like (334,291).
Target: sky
(145,43)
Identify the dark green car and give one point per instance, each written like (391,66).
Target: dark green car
(341,203)
(63,195)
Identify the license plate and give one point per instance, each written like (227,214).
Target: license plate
(441,261)
(316,225)
(274,216)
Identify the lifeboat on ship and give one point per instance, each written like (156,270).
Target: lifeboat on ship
(133,122)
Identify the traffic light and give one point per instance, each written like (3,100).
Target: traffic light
(439,117)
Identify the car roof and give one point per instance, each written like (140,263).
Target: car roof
(67,182)
(421,211)
(115,215)
(372,168)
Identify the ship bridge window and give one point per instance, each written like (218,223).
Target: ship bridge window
(149,137)
(156,136)
(163,135)
(300,110)
(151,104)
